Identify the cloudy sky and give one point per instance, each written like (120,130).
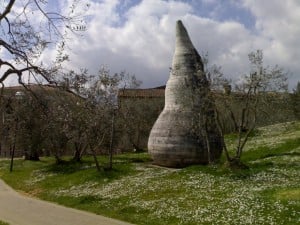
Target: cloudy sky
(139,35)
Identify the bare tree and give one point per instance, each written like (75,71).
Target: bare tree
(27,29)
(23,37)
(253,93)
(93,111)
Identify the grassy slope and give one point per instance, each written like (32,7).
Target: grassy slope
(3,223)
(136,191)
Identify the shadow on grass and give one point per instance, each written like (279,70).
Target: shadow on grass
(254,159)
(282,154)
(134,158)
(122,166)
(265,152)
(68,167)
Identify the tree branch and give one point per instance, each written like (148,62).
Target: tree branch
(13,50)
(7,9)
(19,72)
(48,18)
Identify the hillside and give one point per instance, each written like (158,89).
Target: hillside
(138,192)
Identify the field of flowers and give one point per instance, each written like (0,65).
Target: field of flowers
(267,193)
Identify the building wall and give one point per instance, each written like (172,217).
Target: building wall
(145,106)
(136,118)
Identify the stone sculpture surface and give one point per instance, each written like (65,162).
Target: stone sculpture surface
(185,132)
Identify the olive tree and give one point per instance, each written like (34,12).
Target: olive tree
(253,94)
(28,28)
(94,111)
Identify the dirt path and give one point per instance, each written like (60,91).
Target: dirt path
(21,210)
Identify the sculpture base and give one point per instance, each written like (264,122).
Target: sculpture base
(173,142)
(175,162)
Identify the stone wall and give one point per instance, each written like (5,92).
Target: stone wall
(279,109)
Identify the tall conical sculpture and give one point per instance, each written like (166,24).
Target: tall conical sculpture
(185,132)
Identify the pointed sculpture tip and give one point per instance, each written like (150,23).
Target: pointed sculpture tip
(179,23)
(181,31)
(180,28)
(184,45)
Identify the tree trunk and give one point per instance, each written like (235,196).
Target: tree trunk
(111,142)
(58,159)
(137,148)
(78,152)
(99,169)
(228,158)
(12,157)
(32,155)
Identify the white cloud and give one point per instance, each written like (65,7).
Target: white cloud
(141,38)
(141,45)
(277,24)
(141,41)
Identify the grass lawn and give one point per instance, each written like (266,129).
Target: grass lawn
(138,192)
(3,223)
